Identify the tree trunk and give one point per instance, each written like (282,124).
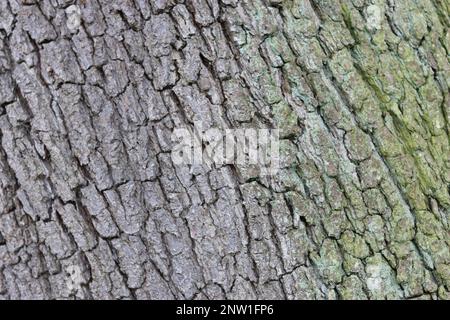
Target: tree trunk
(92,205)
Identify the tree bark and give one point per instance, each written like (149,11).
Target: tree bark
(92,205)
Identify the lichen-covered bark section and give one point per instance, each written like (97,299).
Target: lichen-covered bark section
(92,206)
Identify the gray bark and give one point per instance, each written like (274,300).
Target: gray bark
(92,206)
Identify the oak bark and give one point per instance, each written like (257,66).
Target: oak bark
(92,206)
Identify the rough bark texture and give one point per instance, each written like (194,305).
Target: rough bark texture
(91,205)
